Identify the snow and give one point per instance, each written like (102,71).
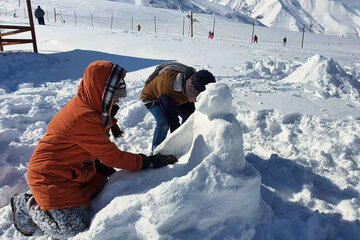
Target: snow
(272,151)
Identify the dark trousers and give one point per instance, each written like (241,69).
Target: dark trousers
(41,20)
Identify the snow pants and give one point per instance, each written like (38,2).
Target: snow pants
(61,223)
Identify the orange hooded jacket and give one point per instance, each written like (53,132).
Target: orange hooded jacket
(61,172)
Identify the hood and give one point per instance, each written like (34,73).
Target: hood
(93,83)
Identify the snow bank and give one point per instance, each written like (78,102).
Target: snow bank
(325,78)
(212,192)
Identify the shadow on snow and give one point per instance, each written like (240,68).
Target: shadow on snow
(281,178)
(24,67)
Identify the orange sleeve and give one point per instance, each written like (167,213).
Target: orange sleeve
(92,138)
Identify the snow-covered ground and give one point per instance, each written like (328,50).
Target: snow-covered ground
(272,152)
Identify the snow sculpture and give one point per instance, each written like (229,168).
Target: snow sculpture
(211,193)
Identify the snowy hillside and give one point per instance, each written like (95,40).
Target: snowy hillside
(272,151)
(325,16)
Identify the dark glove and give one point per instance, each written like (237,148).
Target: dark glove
(105,170)
(157,161)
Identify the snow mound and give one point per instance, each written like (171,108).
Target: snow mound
(272,69)
(212,192)
(326,78)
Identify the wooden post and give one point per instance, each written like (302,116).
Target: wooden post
(55,14)
(183,26)
(32,25)
(191,23)
(92,20)
(155,23)
(252,35)
(1,46)
(302,40)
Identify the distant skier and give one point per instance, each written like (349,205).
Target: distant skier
(72,162)
(255,39)
(169,92)
(138,27)
(211,35)
(284,41)
(39,14)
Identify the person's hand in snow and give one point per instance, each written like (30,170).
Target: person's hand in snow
(157,161)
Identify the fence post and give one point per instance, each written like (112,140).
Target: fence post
(92,20)
(183,26)
(55,14)
(214,26)
(302,40)
(155,23)
(252,35)
(1,46)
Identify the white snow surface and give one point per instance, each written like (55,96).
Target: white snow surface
(272,151)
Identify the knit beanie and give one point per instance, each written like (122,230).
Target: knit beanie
(196,84)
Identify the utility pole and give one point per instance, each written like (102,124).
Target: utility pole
(252,35)
(191,23)
(302,41)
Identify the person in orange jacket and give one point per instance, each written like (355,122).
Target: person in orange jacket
(72,162)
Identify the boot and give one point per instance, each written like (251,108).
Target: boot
(20,205)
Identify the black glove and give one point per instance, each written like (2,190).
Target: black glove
(157,161)
(103,169)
